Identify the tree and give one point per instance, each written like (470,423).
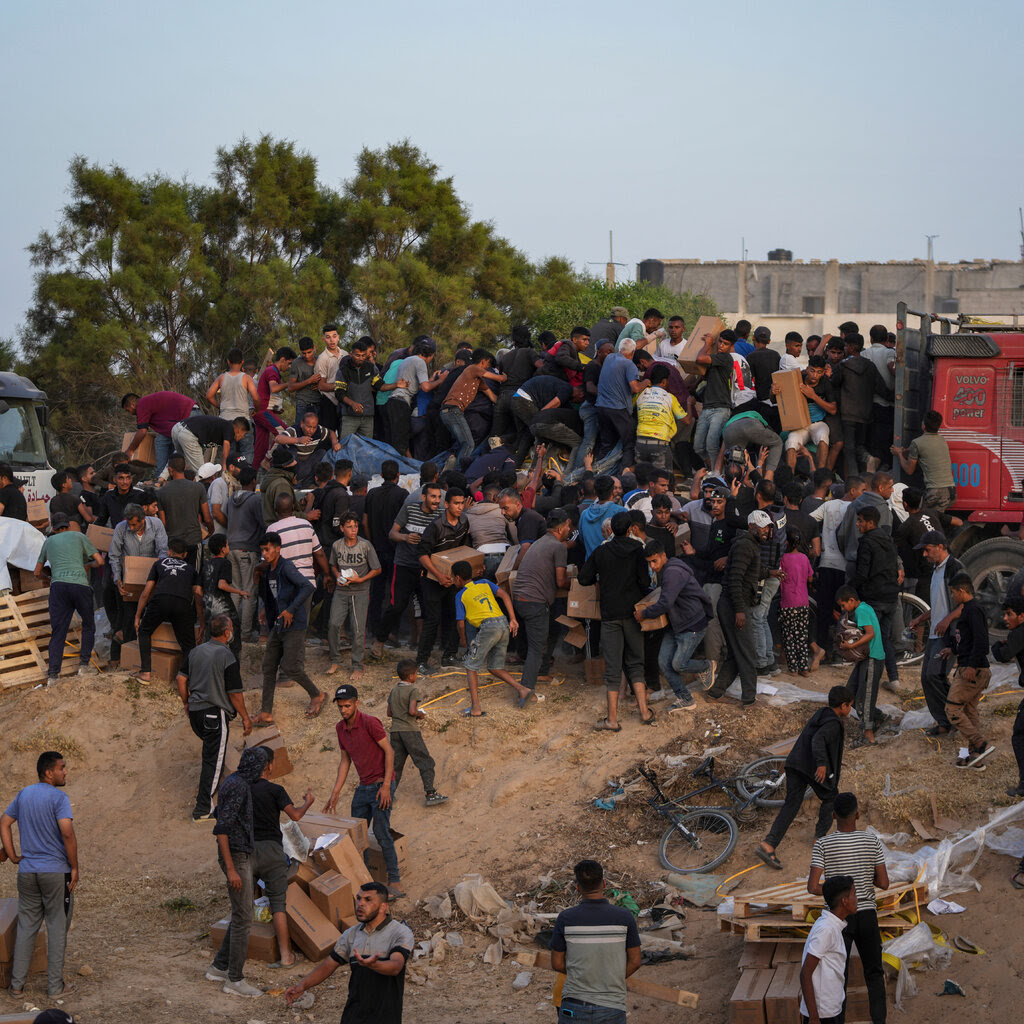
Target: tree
(592,299)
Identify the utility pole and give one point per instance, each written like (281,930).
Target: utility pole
(931,239)
(609,267)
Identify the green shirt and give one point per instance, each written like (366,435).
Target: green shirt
(932,454)
(67,552)
(398,704)
(865,616)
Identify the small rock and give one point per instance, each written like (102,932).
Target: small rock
(522,980)
(304,1002)
(453,938)
(85,971)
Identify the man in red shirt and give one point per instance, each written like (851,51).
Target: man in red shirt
(160,411)
(365,744)
(267,424)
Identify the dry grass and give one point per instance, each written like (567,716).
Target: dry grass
(47,738)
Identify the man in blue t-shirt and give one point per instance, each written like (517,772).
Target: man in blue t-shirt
(47,870)
(618,383)
(597,947)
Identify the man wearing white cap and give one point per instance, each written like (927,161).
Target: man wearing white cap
(739,596)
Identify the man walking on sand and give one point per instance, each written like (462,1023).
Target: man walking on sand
(597,947)
(47,871)
(376,949)
(365,744)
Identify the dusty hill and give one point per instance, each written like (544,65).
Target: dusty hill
(521,786)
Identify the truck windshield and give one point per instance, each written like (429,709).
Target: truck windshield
(21,439)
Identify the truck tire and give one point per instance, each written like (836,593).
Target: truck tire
(990,565)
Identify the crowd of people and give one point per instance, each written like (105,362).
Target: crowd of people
(676,493)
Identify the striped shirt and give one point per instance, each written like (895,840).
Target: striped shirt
(412,519)
(299,543)
(851,853)
(594,937)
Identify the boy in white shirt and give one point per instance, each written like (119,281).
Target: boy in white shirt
(823,970)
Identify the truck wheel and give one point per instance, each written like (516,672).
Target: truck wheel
(991,564)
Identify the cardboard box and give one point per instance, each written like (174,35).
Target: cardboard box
(262,940)
(343,857)
(858,1007)
(507,563)
(308,928)
(332,894)
(131,659)
(788,953)
(100,536)
(8,928)
(163,638)
(782,1000)
(164,665)
(687,359)
(28,582)
(659,621)
(271,737)
(135,575)
(13,1018)
(747,1003)
(446,559)
(757,954)
(316,823)
(375,857)
(593,671)
(855,970)
(38,514)
(794,413)
(302,873)
(146,452)
(584,602)
(576,633)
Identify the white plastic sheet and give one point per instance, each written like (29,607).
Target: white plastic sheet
(916,948)
(1011,842)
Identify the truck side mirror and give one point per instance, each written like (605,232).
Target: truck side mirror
(43,415)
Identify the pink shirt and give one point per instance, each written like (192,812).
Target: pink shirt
(793,590)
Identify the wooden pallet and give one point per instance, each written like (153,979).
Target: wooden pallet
(793,899)
(25,633)
(774,928)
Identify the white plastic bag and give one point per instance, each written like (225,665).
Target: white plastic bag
(478,899)
(916,949)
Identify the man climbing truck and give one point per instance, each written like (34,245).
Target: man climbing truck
(972,372)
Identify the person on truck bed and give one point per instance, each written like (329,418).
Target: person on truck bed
(856,381)
(931,452)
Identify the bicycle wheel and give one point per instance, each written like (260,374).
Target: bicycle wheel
(910,643)
(764,782)
(697,841)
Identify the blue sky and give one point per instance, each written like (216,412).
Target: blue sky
(832,129)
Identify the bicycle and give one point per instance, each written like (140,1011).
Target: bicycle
(702,837)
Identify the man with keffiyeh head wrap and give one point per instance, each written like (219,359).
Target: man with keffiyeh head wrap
(235,847)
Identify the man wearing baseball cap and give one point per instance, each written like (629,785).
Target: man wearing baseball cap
(608,328)
(365,744)
(221,488)
(739,596)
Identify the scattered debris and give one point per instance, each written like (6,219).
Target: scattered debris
(951,988)
(522,980)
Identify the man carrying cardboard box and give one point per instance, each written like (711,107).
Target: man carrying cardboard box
(364,743)
(377,949)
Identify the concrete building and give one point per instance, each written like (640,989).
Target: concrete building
(815,296)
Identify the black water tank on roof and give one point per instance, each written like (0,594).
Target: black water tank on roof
(652,271)
(780,256)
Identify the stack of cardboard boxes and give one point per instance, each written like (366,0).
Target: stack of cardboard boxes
(8,935)
(166,653)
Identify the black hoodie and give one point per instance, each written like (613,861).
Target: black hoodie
(856,381)
(820,743)
(621,569)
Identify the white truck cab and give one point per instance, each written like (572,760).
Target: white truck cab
(23,415)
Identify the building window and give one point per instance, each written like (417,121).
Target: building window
(814,303)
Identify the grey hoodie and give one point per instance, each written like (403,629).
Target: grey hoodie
(245,521)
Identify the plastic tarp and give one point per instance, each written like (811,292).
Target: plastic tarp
(916,948)
(366,456)
(20,544)
(1004,677)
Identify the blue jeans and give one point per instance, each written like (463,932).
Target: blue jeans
(364,805)
(674,657)
(763,642)
(455,420)
(588,413)
(162,445)
(572,1011)
(707,439)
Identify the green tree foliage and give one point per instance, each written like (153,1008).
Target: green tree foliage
(591,299)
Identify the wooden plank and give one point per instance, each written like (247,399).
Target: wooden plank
(794,897)
(541,958)
(775,928)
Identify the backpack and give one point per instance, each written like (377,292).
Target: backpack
(741,388)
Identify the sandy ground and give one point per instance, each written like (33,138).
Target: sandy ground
(521,786)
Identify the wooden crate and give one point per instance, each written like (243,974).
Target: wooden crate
(25,636)
(778,928)
(793,897)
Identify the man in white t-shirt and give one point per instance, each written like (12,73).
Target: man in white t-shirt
(794,347)
(672,346)
(823,968)
(327,366)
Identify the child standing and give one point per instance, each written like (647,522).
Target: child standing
(477,603)
(967,638)
(794,610)
(867,673)
(823,968)
(217,588)
(354,563)
(406,738)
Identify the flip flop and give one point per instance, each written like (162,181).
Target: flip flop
(523,701)
(468,713)
(649,721)
(1014,882)
(769,858)
(603,726)
(313,712)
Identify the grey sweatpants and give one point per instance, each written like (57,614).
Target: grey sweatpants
(43,896)
(348,607)
(231,955)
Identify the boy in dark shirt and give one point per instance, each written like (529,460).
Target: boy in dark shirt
(1004,651)
(172,589)
(406,739)
(12,501)
(662,528)
(217,586)
(967,638)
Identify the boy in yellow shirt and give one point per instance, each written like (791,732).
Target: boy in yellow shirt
(657,413)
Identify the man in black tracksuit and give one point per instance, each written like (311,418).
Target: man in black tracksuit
(739,595)
(816,760)
(876,580)
(621,569)
(856,381)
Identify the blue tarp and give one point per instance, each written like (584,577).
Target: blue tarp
(366,456)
